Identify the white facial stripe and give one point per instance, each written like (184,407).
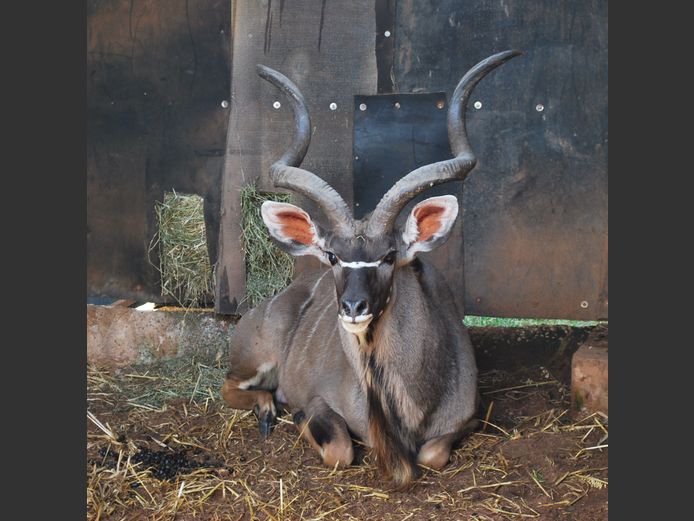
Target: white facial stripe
(359,264)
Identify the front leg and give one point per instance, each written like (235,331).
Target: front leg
(436,451)
(259,401)
(327,433)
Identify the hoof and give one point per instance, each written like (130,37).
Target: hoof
(266,420)
(299,417)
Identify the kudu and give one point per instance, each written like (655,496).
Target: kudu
(374,346)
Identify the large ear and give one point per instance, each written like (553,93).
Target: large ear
(293,229)
(429,224)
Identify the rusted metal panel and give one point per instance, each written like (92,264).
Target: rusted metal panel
(535,207)
(157,72)
(327,49)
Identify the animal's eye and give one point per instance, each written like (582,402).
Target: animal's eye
(390,258)
(331,257)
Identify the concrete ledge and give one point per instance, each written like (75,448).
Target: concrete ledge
(118,335)
(589,384)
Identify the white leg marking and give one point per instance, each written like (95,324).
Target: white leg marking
(264,368)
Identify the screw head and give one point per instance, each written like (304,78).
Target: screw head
(362,106)
(225,104)
(477,105)
(333,106)
(440,104)
(584,304)
(397,105)
(386,34)
(539,107)
(276,104)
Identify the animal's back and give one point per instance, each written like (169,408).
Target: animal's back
(261,335)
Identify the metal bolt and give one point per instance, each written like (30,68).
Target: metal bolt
(539,107)
(584,304)
(397,104)
(477,105)
(362,106)
(276,104)
(333,106)
(225,104)
(440,104)
(386,34)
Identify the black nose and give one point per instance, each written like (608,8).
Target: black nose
(354,308)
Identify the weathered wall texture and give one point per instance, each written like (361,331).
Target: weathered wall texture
(532,240)
(157,73)
(327,49)
(118,336)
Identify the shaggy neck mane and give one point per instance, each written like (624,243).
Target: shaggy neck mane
(394,418)
(393,442)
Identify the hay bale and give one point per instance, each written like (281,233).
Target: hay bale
(268,269)
(184,264)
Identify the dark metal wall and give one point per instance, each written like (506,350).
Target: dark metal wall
(157,73)
(535,208)
(532,240)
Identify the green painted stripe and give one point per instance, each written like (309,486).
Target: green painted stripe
(475,321)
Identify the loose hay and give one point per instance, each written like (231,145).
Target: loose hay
(268,269)
(184,264)
(536,466)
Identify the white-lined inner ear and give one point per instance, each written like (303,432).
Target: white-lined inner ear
(293,227)
(287,222)
(428,221)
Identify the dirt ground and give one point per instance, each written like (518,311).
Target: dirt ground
(161,444)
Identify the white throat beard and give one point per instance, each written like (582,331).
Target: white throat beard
(356,326)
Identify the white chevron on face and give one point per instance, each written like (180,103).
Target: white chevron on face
(359,264)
